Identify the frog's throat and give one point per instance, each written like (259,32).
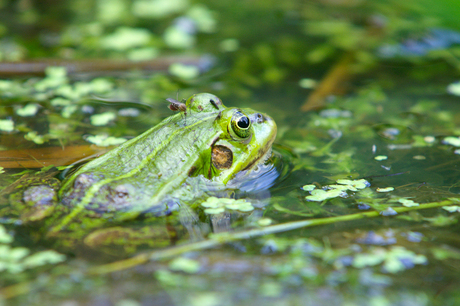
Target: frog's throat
(96,186)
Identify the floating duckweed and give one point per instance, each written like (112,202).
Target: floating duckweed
(453,141)
(184,71)
(419,157)
(229,45)
(203,18)
(381,157)
(177,38)
(104,140)
(386,189)
(307,83)
(143,54)
(334,190)
(407,202)
(358,184)
(214,211)
(16,260)
(33,136)
(451,209)
(5,85)
(59,102)
(308,187)
(264,221)
(4,236)
(68,110)
(28,110)
(342,187)
(319,195)
(158,8)
(6,125)
(454,89)
(125,38)
(56,72)
(102,119)
(215,205)
(394,260)
(184,265)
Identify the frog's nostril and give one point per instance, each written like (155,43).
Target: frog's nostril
(258,118)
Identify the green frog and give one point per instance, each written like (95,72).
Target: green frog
(179,162)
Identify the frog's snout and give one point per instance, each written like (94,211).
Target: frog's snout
(260,118)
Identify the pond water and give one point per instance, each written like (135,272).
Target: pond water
(361,208)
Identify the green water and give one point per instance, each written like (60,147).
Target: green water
(391,126)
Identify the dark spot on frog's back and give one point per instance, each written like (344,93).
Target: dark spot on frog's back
(80,186)
(84,181)
(40,195)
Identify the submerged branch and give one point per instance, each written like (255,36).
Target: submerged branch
(332,83)
(222,238)
(42,157)
(100,66)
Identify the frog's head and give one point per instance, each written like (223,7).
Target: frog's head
(243,140)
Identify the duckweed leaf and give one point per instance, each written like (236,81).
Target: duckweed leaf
(104,140)
(33,136)
(185,265)
(453,141)
(28,110)
(308,187)
(214,211)
(4,236)
(43,258)
(451,209)
(215,205)
(184,71)
(6,125)
(407,202)
(381,157)
(386,189)
(321,195)
(264,221)
(395,259)
(358,184)
(102,119)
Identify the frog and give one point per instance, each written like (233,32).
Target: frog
(181,161)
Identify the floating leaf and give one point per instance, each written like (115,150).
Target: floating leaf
(102,119)
(451,209)
(386,189)
(358,184)
(453,141)
(184,265)
(381,157)
(6,125)
(43,258)
(4,236)
(319,195)
(308,187)
(104,140)
(28,110)
(407,202)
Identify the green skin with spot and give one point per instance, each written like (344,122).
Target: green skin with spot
(167,166)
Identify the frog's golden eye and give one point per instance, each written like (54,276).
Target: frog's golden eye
(241,124)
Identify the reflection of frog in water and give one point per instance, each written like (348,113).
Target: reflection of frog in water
(172,165)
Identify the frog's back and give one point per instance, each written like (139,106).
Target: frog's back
(139,175)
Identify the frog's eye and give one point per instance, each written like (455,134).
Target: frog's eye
(241,124)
